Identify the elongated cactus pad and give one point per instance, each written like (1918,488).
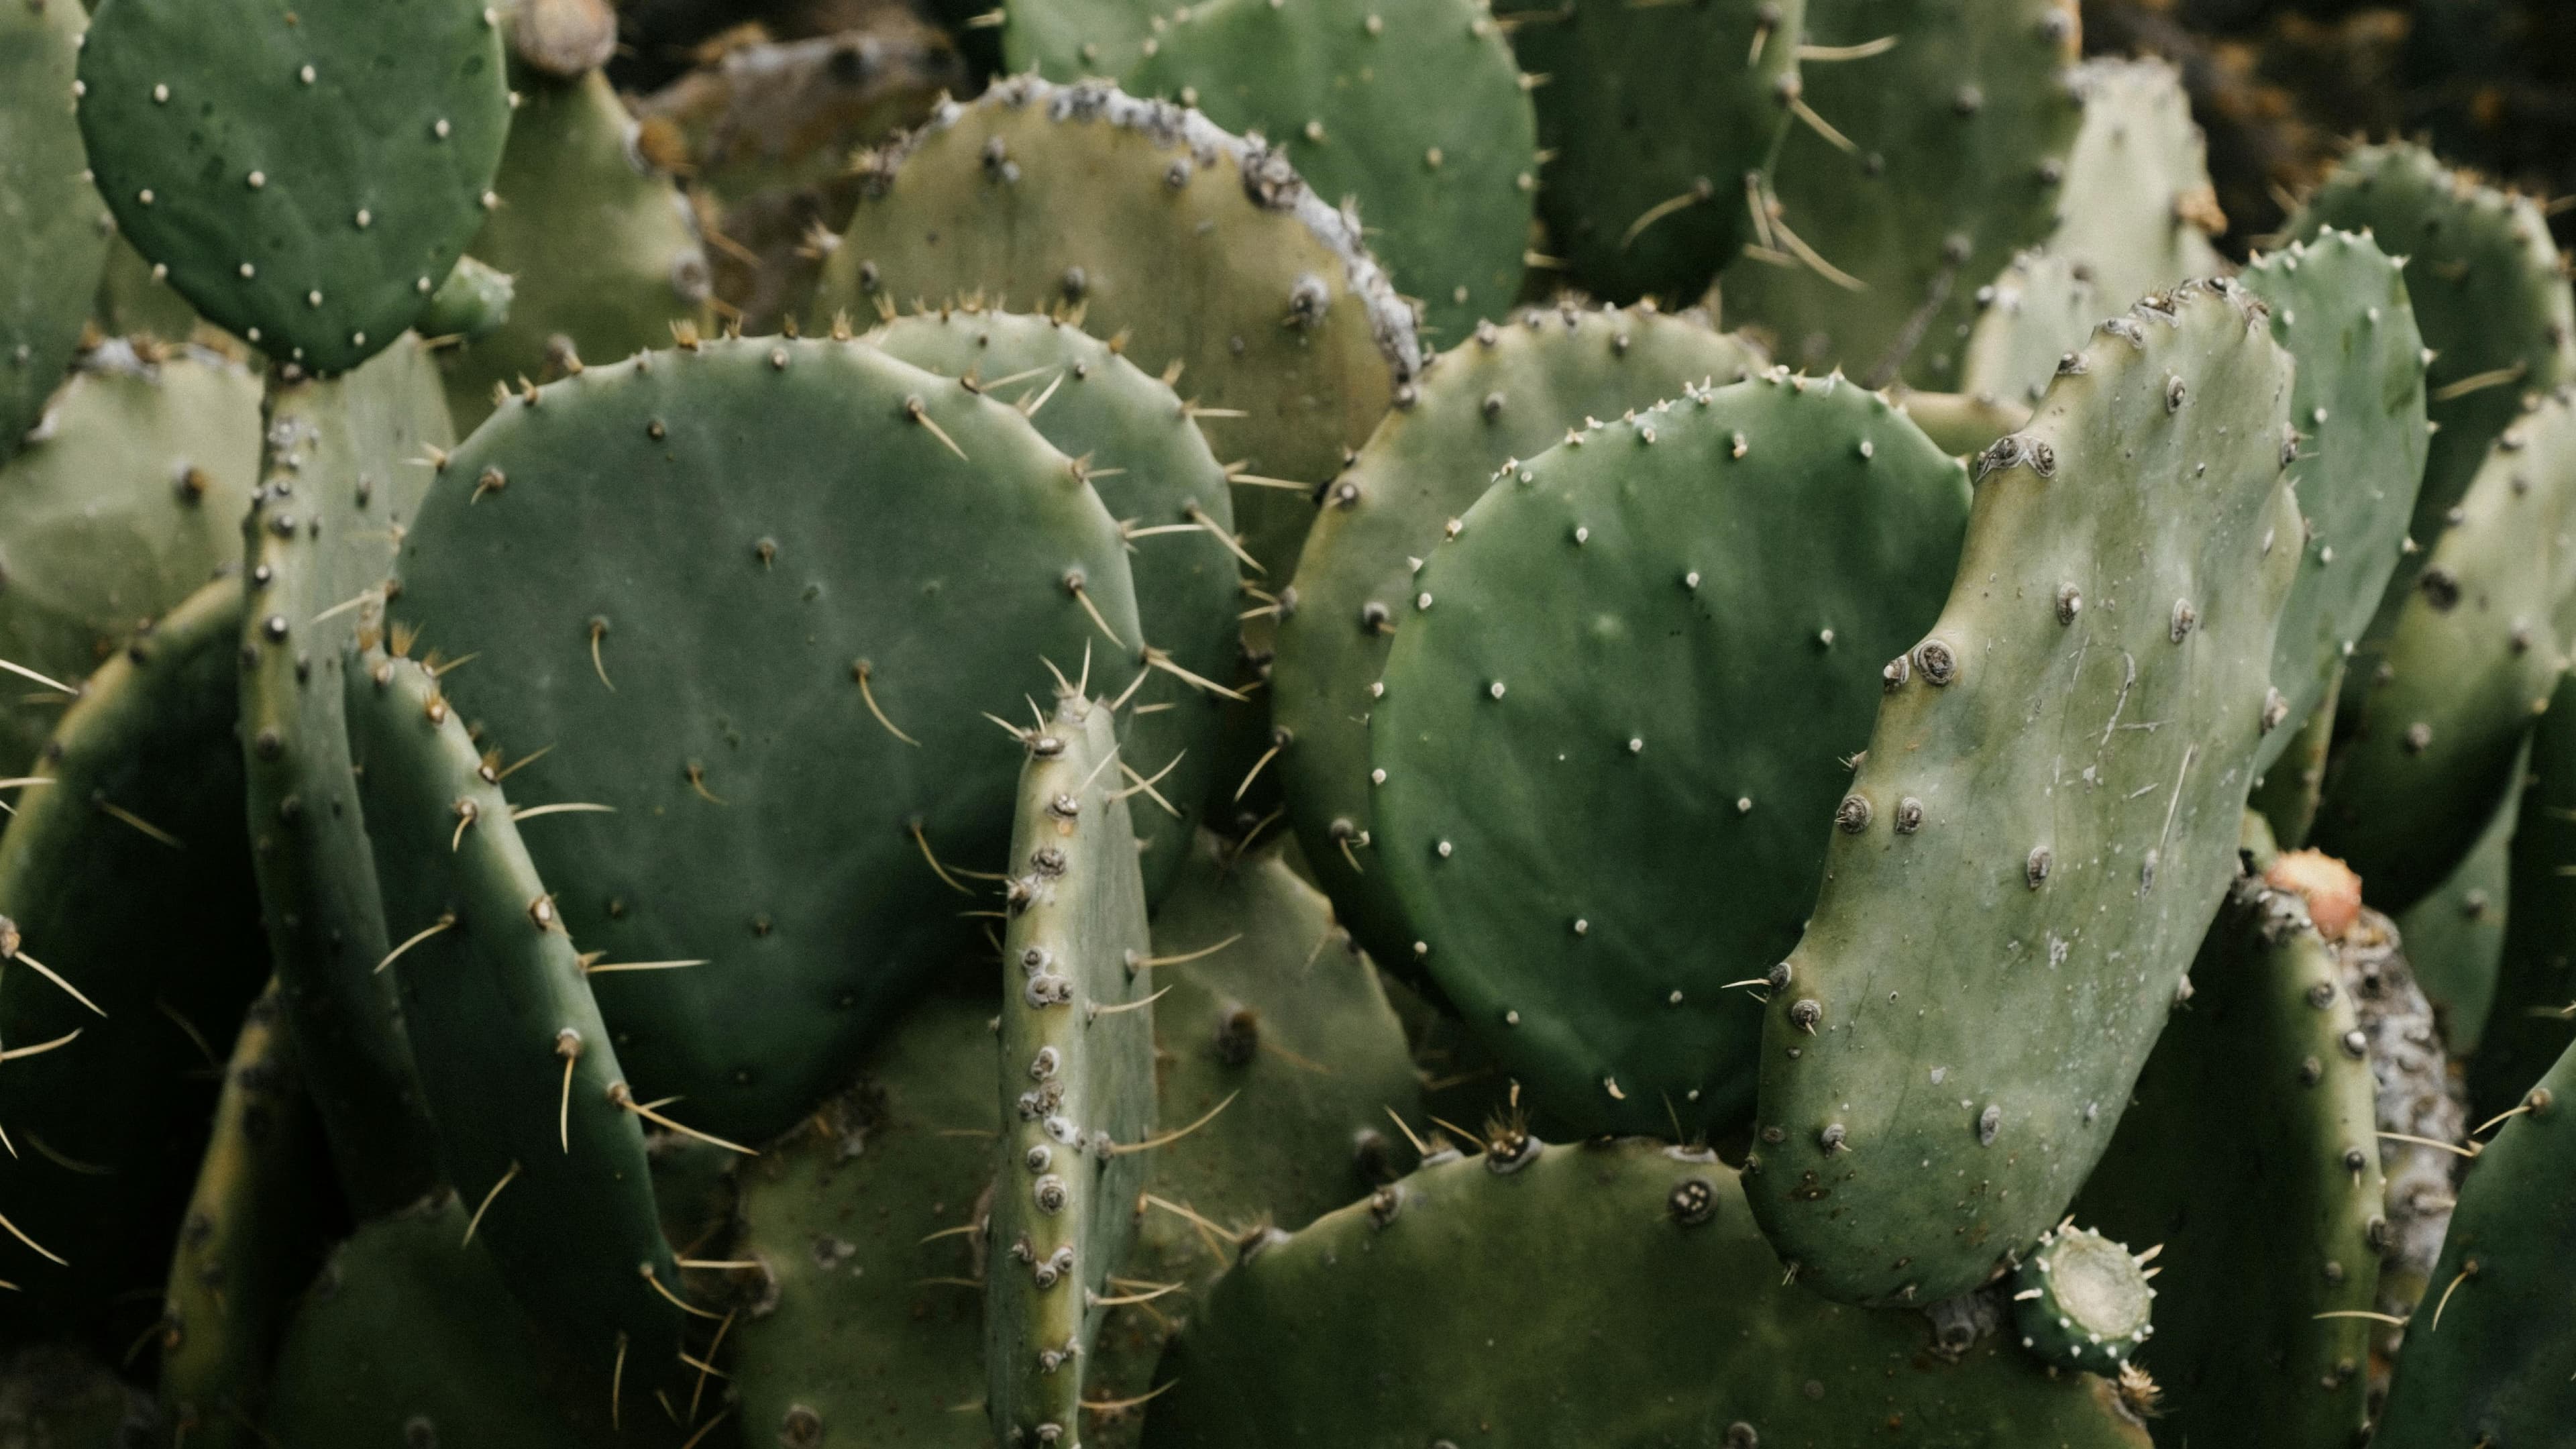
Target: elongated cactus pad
(123,506)
(1076,1078)
(1511,391)
(2527,1025)
(1551,1239)
(1604,654)
(536,1119)
(346,463)
(827,568)
(2440,704)
(1153,471)
(2046,818)
(58,233)
(2455,937)
(309,176)
(2269,1032)
(1206,250)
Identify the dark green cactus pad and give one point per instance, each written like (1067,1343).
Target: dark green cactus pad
(2438,705)
(128,878)
(2247,1157)
(1648,173)
(1076,1080)
(250,1241)
(2046,818)
(1632,670)
(2286,794)
(2455,936)
(2488,294)
(1638,1268)
(309,175)
(1511,391)
(510,1049)
(472,303)
(776,668)
(1340,86)
(1205,250)
(2081,1301)
(866,1223)
(63,1396)
(125,504)
(2340,308)
(57,231)
(2528,1024)
(347,460)
(1153,471)
(2487,1353)
(603,250)
(1960,133)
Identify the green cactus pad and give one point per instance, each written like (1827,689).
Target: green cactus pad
(775,667)
(1077,1076)
(471,304)
(250,1241)
(2080,1301)
(2340,308)
(2527,1026)
(1153,471)
(1511,391)
(1341,86)
(2256,1086)
(128,878)
(2041,306)
(1632,670)
(509,1047)
(2286,794)
(603,250)
(1946,1052)
(1960,133)
(865,1221)
(136,301)
(1206,251)
(308,176)
(2487,291)
(347,462)
(2455,936)
(2437,708)
(57,231)
(2489,1361)
(1654,118)
(1656,1291)
(125,503)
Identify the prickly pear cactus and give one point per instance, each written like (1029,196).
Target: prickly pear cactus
(1207,251)
(1943,150)
(779,685)
(1153,471)
(2529,1025)
(1655,711)
(57,232)
(1488,1239)
(2080,1300)
(1076,1076)
(472,303)
(1510,391)
(309,176)
(2455,937)
(2002,929)
(122,505)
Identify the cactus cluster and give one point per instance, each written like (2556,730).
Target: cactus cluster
(1377,724)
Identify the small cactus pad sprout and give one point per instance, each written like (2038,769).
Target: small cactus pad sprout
(345,467)
(124,505)
(1510,391)
(2339,306)
(125,911)
(2438,706)
(2081,1301)
(826,569)
(308,176)
(1076,1079)
(536,1118)
(470,305)
(58,234)
(1601,656)
(2265,1219)
(2125,565)
(1153,471)
(1205,249)
(1372,1362)
(2528,1025)
(1943,151)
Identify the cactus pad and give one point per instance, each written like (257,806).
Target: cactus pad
(472,303)
(1603,656)
(2455,937)
(2527,1025)
(2080,1300)
(2003,926)
(57,232)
